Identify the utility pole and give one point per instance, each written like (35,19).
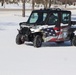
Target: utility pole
(23,9)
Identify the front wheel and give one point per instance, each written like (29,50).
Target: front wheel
(37,41)
(18,39)
(74,41)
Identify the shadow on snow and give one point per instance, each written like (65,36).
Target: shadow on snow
(51,44)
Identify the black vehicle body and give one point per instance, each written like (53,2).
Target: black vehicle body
(47,25)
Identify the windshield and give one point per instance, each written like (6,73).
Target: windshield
(37,18)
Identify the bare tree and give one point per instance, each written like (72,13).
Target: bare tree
(23,9)
(50,1)
(33,3)
(45,3)
(66,3)
(2,2)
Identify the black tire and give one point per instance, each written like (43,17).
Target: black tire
(37,42)
(74,41)
(18,39)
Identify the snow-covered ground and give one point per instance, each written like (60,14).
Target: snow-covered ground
(15,6)
(50,59)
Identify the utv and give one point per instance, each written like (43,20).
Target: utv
(47,25)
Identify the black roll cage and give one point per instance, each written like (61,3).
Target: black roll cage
(49,11)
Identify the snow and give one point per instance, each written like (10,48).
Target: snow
(37,6)
(50,59)
(15,6)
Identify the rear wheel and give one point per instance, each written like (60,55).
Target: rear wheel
(37,41)
(74,41)
(19,40)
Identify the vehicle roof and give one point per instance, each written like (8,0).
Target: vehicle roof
(51,10)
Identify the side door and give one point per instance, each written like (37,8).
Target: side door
(52,22)
(64,25)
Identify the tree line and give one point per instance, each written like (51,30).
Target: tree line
(45,3)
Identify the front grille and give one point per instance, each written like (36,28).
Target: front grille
(26,31)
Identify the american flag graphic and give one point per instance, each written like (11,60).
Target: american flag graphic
(50,32)
(55,34)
